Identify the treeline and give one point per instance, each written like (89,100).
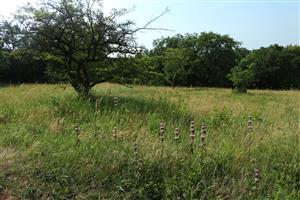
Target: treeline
(191,60)
(206,59)
(214,60)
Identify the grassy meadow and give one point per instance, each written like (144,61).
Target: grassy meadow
(55,146)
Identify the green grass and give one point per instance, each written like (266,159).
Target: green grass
(40,157)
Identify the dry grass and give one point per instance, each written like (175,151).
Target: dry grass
(37,142)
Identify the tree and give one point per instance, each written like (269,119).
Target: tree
(18,61)
(214,57)
(3,65)
(273,67)
(210,56)
(12,36)
(148,70)
(290,73)
(175,61)
(82,38)
(241,76)
(162,44)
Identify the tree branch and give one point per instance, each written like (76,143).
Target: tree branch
(145,27)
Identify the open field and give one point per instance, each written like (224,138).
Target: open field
(44,155)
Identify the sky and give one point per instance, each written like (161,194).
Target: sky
(255,23)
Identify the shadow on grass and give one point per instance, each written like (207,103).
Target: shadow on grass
(110,105)
(7,85)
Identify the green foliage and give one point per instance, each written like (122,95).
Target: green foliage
(3,65)
(275,67)
(12,36)
(175,61)
(242,76)
(18,61)
(139,70)
(207,57)
(214,57)
(78,44)
(79,34)
(23,65)
(149,71)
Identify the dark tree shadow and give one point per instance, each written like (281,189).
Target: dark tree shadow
(161,108)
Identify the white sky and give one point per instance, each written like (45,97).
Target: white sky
(9,6)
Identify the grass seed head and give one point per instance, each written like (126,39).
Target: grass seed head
(202,134)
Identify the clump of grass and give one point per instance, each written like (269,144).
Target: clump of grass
(162,136)
(78,132)
(138,161)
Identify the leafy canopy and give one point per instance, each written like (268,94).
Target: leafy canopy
(81,37)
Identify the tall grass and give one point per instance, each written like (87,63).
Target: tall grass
(56,146)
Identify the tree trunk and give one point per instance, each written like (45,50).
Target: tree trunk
(82,90)
(241,89)
(80,81)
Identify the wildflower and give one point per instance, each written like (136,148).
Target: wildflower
(77,129)
(177,139)
(192,135)
(162,131)
(203,134)
(115,132)
(250,123)
(256,175)
(115,100)
(176,134)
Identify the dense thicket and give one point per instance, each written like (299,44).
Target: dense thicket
(210,59)
(60,44)
(197,59)
(275,67)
